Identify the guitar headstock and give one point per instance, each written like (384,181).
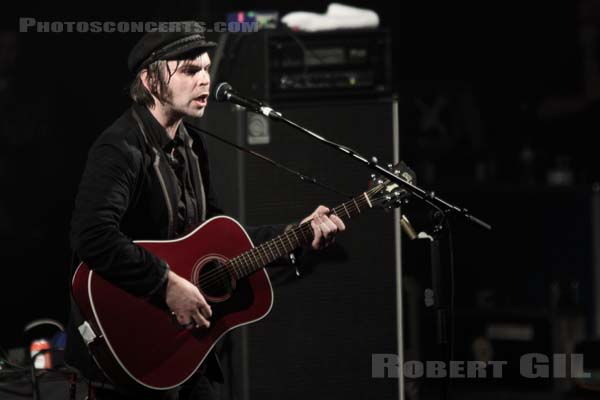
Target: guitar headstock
(386,194)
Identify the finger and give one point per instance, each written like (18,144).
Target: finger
(338,222)
(321,210)
(183,320)
(205,308)
(316,232)
(200,320)
(326,228)
(327,237)
(316,225)
(331,227)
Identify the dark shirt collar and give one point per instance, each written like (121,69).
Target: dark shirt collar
(158,134)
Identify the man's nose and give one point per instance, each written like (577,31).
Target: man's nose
(204,78)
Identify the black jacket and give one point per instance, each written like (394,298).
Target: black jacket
(128,192)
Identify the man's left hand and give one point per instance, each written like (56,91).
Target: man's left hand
(325,227)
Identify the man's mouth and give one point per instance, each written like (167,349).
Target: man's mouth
(202,99)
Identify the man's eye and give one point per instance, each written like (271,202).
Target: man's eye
(194,71)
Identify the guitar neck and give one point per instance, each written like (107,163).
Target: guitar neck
(260,256)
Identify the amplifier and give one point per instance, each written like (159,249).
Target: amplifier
(283,64)
(318,340)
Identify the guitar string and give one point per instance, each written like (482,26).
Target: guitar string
(220,276)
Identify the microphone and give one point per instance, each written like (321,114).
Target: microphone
(224,92)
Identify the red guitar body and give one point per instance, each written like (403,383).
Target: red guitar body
(137,342)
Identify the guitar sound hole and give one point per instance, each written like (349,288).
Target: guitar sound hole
(214,281)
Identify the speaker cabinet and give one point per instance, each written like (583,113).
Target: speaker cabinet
(326,323)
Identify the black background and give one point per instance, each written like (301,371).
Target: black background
(498,64)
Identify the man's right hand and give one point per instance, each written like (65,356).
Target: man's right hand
(186,302)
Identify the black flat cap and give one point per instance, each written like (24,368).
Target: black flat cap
(170,41)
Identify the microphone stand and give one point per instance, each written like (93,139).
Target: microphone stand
(224,92)
(427,196)
(441,300)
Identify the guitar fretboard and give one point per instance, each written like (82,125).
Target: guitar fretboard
(282,245)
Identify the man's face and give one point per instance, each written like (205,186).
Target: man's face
(189,86)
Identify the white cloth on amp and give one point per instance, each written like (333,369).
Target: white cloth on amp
(338,16)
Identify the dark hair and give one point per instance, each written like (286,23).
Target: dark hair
(159,75)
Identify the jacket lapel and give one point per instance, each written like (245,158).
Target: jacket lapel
(196,174)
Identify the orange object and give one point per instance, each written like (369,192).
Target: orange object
(43,360)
